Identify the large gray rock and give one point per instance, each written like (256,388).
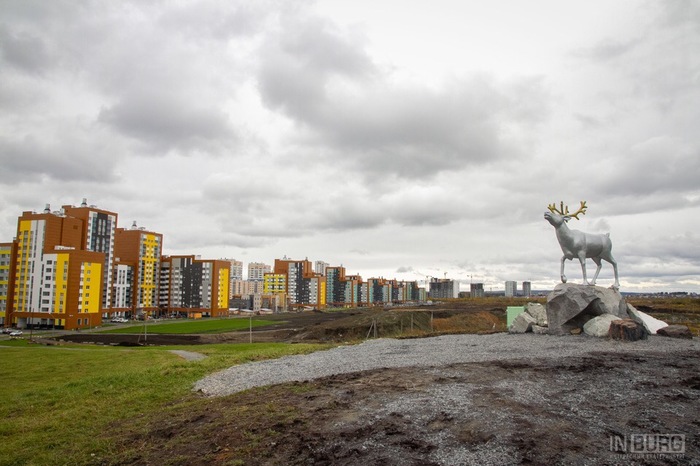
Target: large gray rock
(651,324)
(570,306)
(599,326)
(522,323)
(539,312)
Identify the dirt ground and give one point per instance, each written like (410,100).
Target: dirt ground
(555,411)
(578,411)
(462,316)
(339,326)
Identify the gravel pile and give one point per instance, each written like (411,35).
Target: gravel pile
(422,352)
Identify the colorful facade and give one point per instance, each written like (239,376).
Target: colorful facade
(56,283)
(304,287)
(8,254)
(141,250)
(275,283)
(99,229)
(72,268)
(195,286)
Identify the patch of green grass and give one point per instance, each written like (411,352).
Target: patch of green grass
(193,326)
(58,401)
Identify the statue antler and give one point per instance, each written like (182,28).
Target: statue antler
(564,210)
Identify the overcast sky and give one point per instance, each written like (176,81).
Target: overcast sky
(401,139)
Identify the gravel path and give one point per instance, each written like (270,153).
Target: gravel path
(189,355)
(422,352)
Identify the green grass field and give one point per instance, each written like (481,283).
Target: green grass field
(59,402)
(192,326)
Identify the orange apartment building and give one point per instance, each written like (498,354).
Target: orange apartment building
(56,283)
(137,256)
(98,234)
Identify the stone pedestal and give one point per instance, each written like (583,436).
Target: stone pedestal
(570,306)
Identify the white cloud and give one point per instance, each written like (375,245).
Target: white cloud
(372,134)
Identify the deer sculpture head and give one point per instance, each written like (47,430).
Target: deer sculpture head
(561,215)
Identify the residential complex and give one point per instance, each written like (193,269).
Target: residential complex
(72,268)
(75,267)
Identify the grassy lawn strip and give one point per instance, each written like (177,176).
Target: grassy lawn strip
(59,402)
(193,326)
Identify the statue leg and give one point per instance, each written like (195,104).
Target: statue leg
(597,270)
(612,261)
(582,260)
(561,273)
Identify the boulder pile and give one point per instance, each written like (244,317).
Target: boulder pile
(595,311)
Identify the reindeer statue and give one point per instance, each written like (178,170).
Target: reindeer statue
(576,243)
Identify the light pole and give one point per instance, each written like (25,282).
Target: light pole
(145,328)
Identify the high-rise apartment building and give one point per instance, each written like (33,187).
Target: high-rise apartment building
(194,286)
(353,284)
(378,291)
(236,269)
(304,287)
(275,283)
(122,289)
(476,290)
(408,291)
(247,287)
(342,290)
(511,288)
(257,271)
(441,288)
(320,267)
(335,285)
(99,229)
(235,277)
(140,250)
(8,254)
(56,282)
(527,289)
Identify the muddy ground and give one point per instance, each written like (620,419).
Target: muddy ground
(547,411)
